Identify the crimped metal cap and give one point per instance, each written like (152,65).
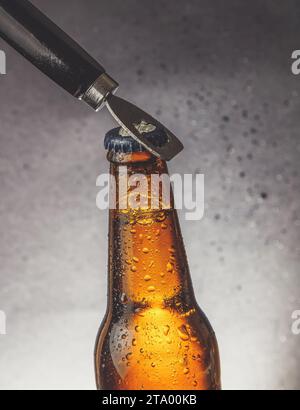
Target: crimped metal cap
(118,141)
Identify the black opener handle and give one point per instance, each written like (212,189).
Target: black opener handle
(46,46)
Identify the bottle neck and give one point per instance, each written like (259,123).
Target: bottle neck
(147,260)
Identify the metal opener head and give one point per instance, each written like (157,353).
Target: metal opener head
(129,116)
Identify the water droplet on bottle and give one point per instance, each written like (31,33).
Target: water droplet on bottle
(133,268)
(166,329)
(152,364)
(145,250)
(124,298)
(141,350)
(139,312)
(195,383)
(169,267)
(133,342)
(133,230)
(137,328)
(161,217)
(183,333)
(163,226)
(186,370)
(128,355)
(147,277)
(151,288)
(162,274)
(135,259)
(144,221)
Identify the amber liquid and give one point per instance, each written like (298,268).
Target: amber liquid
(154,335)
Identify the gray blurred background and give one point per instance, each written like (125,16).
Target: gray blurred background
(218,74)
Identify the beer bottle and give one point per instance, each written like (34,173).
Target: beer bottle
(154,335)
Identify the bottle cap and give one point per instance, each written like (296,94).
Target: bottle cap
(119,141)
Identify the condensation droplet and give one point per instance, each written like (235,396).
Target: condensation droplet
(169,267)
(161,217)
(151,288)
(137,328)
(145,250)
(144,221)
(147,277)
(186,370)
(183,333)
(133,342)
(133,268)
(135,259)
(166,329)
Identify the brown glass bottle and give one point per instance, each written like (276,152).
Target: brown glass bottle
(154,335)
